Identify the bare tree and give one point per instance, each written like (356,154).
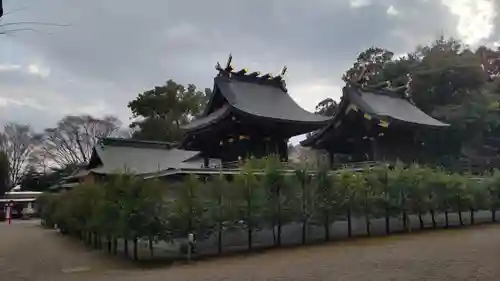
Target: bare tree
(13,27)
(17,142)
(72,140)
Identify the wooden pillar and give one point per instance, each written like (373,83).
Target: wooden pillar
(373,155)
(331,158)
(283,149)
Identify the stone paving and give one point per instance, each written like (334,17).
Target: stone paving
(29,252)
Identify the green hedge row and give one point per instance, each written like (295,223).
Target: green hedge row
(130,208)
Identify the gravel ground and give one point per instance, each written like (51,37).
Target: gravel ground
(28,252)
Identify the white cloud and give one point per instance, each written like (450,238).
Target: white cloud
(475,18)
(309,94)
(392,11)
(38,70)
(29,102)
(359,3)
(9,67)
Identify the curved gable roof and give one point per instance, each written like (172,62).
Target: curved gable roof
(264,100)
(379,104)
(388,106)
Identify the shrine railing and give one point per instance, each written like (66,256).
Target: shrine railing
(237,165)
(356,166)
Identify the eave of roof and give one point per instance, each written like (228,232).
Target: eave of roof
(209,119)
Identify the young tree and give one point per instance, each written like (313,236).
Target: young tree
(477,197)
(418,193)
(459,195)
(434,182)
(307,197)
(149,213)
(222,211)
(189,210)
(401,181)
(349,187)
(326,200)
(274,184)
(370,195)
(492,185)
(250,198)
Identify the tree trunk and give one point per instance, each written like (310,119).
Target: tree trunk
(249,234)
(304,222)
(278,219)
(405,221)
(349,223)
(219,238)
(304,231)
(125,247)
(327,227)
(115,245)
(421,220)
(446,220)
(249,218)
(433,216)
(151,250)
(472,219)
(493,215)
(135,249)
(278,242)
(387,222)
(460,218)
(109,243)
(220,224)
(274,234)
(367,223)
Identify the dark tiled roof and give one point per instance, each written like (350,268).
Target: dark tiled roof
(262,97)
(266,101)
(209,119)
(381,105)
(387,106)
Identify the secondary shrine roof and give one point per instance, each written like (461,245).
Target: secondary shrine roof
(379,104)
(113,156)
(383,105)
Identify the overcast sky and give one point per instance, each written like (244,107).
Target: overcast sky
(114,49)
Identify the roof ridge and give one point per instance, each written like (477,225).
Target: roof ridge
(136,143)
(244,76)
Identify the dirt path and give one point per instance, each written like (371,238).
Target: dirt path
(28,252)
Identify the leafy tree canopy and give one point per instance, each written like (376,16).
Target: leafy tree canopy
(450,81)
(160,112)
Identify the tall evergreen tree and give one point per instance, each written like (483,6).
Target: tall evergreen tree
(160,112)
